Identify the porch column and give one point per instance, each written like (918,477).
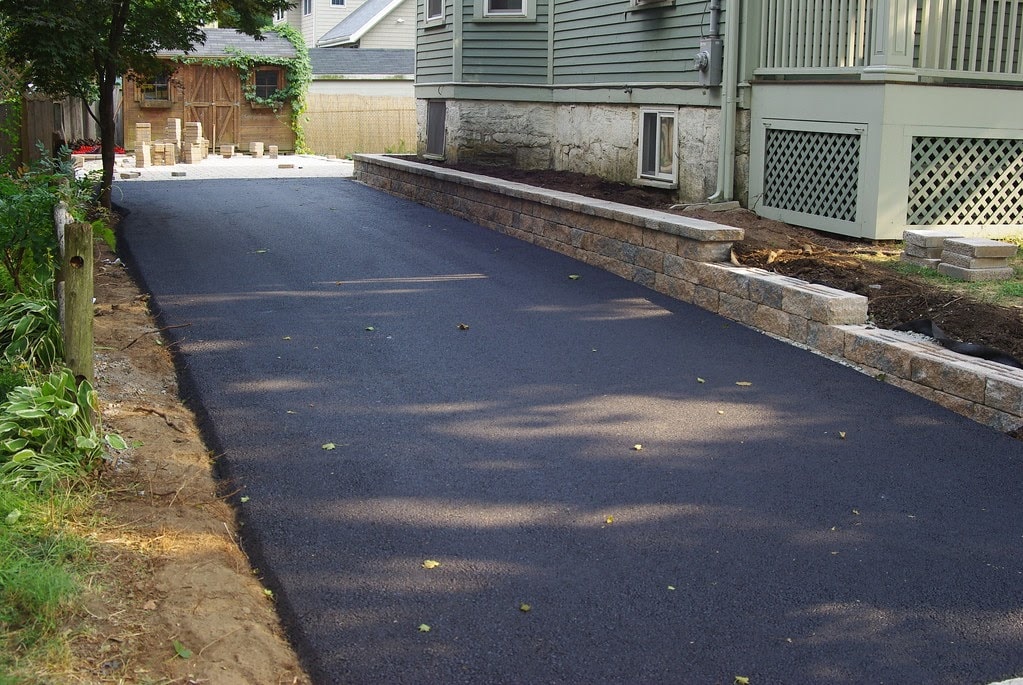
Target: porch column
(891,50)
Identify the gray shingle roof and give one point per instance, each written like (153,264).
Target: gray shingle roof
(219,40)
(364,17)
(362,61)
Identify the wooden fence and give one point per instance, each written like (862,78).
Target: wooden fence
(343,125)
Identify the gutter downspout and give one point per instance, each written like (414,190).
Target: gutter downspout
(729,101)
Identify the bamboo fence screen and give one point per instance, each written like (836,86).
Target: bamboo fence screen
(343,125)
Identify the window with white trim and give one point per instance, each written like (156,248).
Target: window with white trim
(504,8)
(279,15)
(658,142)
(337,3)
(307,6)
(434,10)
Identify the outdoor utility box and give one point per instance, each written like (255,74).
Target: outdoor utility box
(709,61)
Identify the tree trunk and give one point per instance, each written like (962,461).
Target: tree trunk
(107,129)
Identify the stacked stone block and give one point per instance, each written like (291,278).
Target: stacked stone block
(976,259)
(256,149)
(164,154)
(923,248)
(272,151)
(193,146)
(172,134)
(143,145)
(227,151)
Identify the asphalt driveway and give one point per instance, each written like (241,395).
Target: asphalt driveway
(388,385)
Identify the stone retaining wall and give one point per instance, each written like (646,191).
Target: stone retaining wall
(686,259)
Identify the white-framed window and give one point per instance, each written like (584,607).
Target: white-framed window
(279,15)
(337,3)
(434,10)
(504,10)
(307,6)
(658,145)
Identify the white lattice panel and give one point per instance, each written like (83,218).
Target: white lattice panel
(965,181)
(812,172)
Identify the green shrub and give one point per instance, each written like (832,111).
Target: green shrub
(47,434)
(30,330)
(9,380)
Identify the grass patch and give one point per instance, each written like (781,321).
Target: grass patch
(43,564)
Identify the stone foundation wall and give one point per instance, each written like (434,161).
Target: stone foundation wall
(687,259)
(587,138)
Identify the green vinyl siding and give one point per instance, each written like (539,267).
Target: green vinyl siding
(505,51)
(434,47)
(598,42)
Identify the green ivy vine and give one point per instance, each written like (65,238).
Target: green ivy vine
(298,73)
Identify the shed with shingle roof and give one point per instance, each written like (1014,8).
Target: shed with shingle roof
(212,94)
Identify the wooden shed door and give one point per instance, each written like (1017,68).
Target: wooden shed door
(213,97)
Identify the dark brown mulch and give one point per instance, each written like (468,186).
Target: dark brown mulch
(814,257)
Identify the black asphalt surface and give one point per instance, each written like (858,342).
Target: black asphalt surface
(815,526)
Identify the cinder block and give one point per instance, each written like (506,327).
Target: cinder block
(256,149)
(968,262)
(923,252)
(227,151)
(980,247)
(831,306)
(929,238)
(962,274)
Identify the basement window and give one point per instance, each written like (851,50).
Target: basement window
(434,11)
(436,112)
(658,145)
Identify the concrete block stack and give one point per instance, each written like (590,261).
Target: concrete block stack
(976,259)
(193,145)
(273,151)
(143,145)
(227,151)
(172,134)
(256,149)
(164,153)
(923,248)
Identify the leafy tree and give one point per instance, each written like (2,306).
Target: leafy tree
(81,47)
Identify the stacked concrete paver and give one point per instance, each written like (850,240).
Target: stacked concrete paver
(976,259)
(923,248)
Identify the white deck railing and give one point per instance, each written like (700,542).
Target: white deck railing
(962,39)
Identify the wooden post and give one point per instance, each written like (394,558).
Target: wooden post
(78,307)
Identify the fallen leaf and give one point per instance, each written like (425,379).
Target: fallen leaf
(423,628)
(263,251)
(287,337)
(370,328)
(856,512)
(700,380)
(268,593)
(744,384)
(524,608)
(841,434)
(671,587)
(609,520)
(463,326)
(243,499)
(430,563)
(574,277)
(291,412)
(182,651)
(721,411)
(149,606)
(12,517)
(329,446)
(637,447)
(741,680)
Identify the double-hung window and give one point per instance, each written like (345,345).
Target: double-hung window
(307,6)
(658,142)
(434,10)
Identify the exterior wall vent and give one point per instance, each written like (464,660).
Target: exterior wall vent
(812,172)
(965,181)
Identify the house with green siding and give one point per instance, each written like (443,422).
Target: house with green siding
(860,117)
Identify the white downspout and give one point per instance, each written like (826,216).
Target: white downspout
(729,101)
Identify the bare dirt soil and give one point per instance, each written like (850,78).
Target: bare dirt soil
(815,257)
(173,570)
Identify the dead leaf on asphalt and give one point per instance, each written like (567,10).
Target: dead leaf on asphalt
(637,447)
(463,326)
(609,520)
(525,608)
(744,384)
(700,380)
(423,628)
(329,446)
(574,277)
(431,563)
